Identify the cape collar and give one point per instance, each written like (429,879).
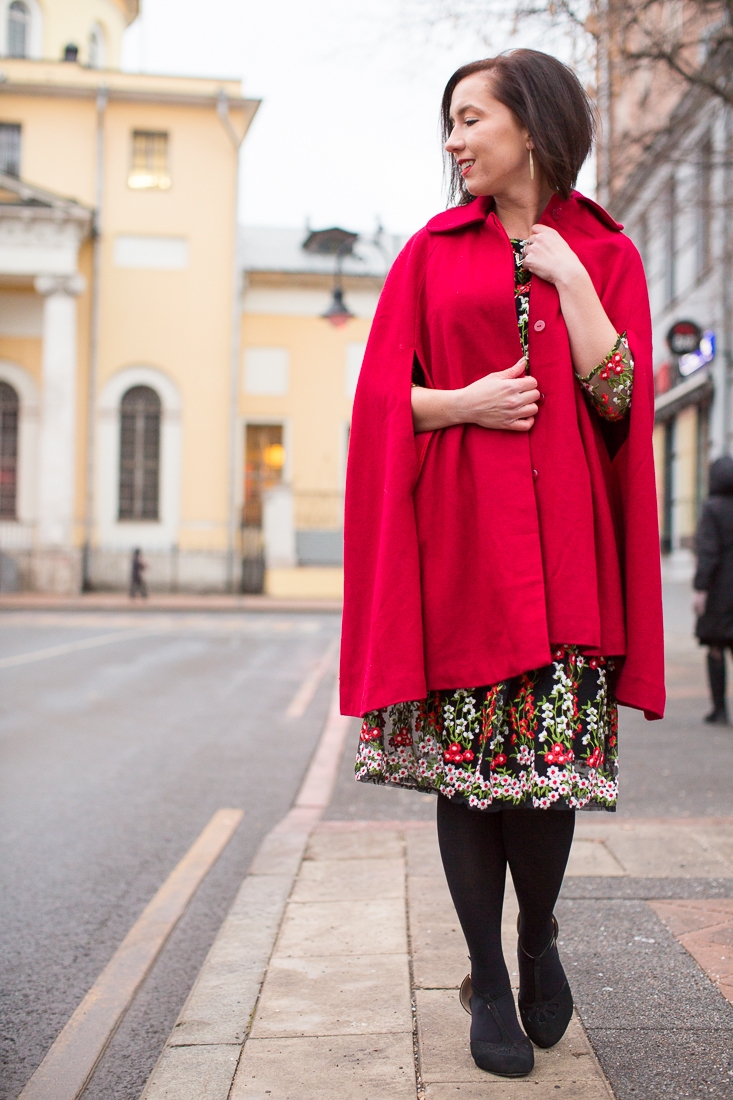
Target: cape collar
(483,207)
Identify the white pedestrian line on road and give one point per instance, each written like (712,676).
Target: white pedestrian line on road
(304,695)
(197,621)
(69,1063)
(70,647)
(320,779)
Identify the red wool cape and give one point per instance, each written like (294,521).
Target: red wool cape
(469,551)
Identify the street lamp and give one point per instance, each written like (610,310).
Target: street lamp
(339,243)
(338,313)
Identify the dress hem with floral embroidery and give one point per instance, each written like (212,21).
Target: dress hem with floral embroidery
(546,739)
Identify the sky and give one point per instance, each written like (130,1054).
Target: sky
(347,132)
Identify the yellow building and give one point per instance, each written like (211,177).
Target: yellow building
(119,308)
(299,373)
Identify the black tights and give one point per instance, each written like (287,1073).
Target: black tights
(475,847)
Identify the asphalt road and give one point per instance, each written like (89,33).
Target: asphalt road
(112,760)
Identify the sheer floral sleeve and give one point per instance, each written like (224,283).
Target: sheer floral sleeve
(609,384)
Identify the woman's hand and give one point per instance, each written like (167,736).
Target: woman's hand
(548,255)
(592,336)
(504,400)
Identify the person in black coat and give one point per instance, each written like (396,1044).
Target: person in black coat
(713,584)
(138,565)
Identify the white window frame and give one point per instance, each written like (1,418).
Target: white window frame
(151,534)
(286,424)
(28,420)
(100,31)
(35,37)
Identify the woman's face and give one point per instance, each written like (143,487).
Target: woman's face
(489,146)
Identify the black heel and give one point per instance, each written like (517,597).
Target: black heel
(510,1057)
(545,1021)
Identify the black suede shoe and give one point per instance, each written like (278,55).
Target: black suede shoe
(545,1019)
(511,1057)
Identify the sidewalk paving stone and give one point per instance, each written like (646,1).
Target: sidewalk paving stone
(334,996)
(661,849)
(438,947)
(356,879)
(193,1073)
(358,1067)
(333,841)
(342,927)
(592,857)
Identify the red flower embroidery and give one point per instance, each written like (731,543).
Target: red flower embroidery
(595,760)
(557,755)
(456,755)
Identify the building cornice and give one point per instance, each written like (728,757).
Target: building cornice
(37,204)
(694,391)
(289,280)
(66,79)
(131,95)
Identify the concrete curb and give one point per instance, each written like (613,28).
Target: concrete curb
(202,1053)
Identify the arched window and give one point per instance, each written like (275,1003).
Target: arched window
(139,454)
(97,47)
(9,408)
(19,27)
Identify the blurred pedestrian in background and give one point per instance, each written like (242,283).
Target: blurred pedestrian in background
(713,599)
(138,565)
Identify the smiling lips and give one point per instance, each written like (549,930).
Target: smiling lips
(466,166)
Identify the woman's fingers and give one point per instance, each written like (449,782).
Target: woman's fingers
(511,372)
(527,397)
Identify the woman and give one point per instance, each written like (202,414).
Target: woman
(713,583)
(502,555)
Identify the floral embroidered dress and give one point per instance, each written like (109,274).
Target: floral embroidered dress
(546,739)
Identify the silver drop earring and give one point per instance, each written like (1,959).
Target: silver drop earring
(531,166)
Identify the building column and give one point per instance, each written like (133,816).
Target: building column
(57,560)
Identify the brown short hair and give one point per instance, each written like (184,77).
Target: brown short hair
(548,100)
